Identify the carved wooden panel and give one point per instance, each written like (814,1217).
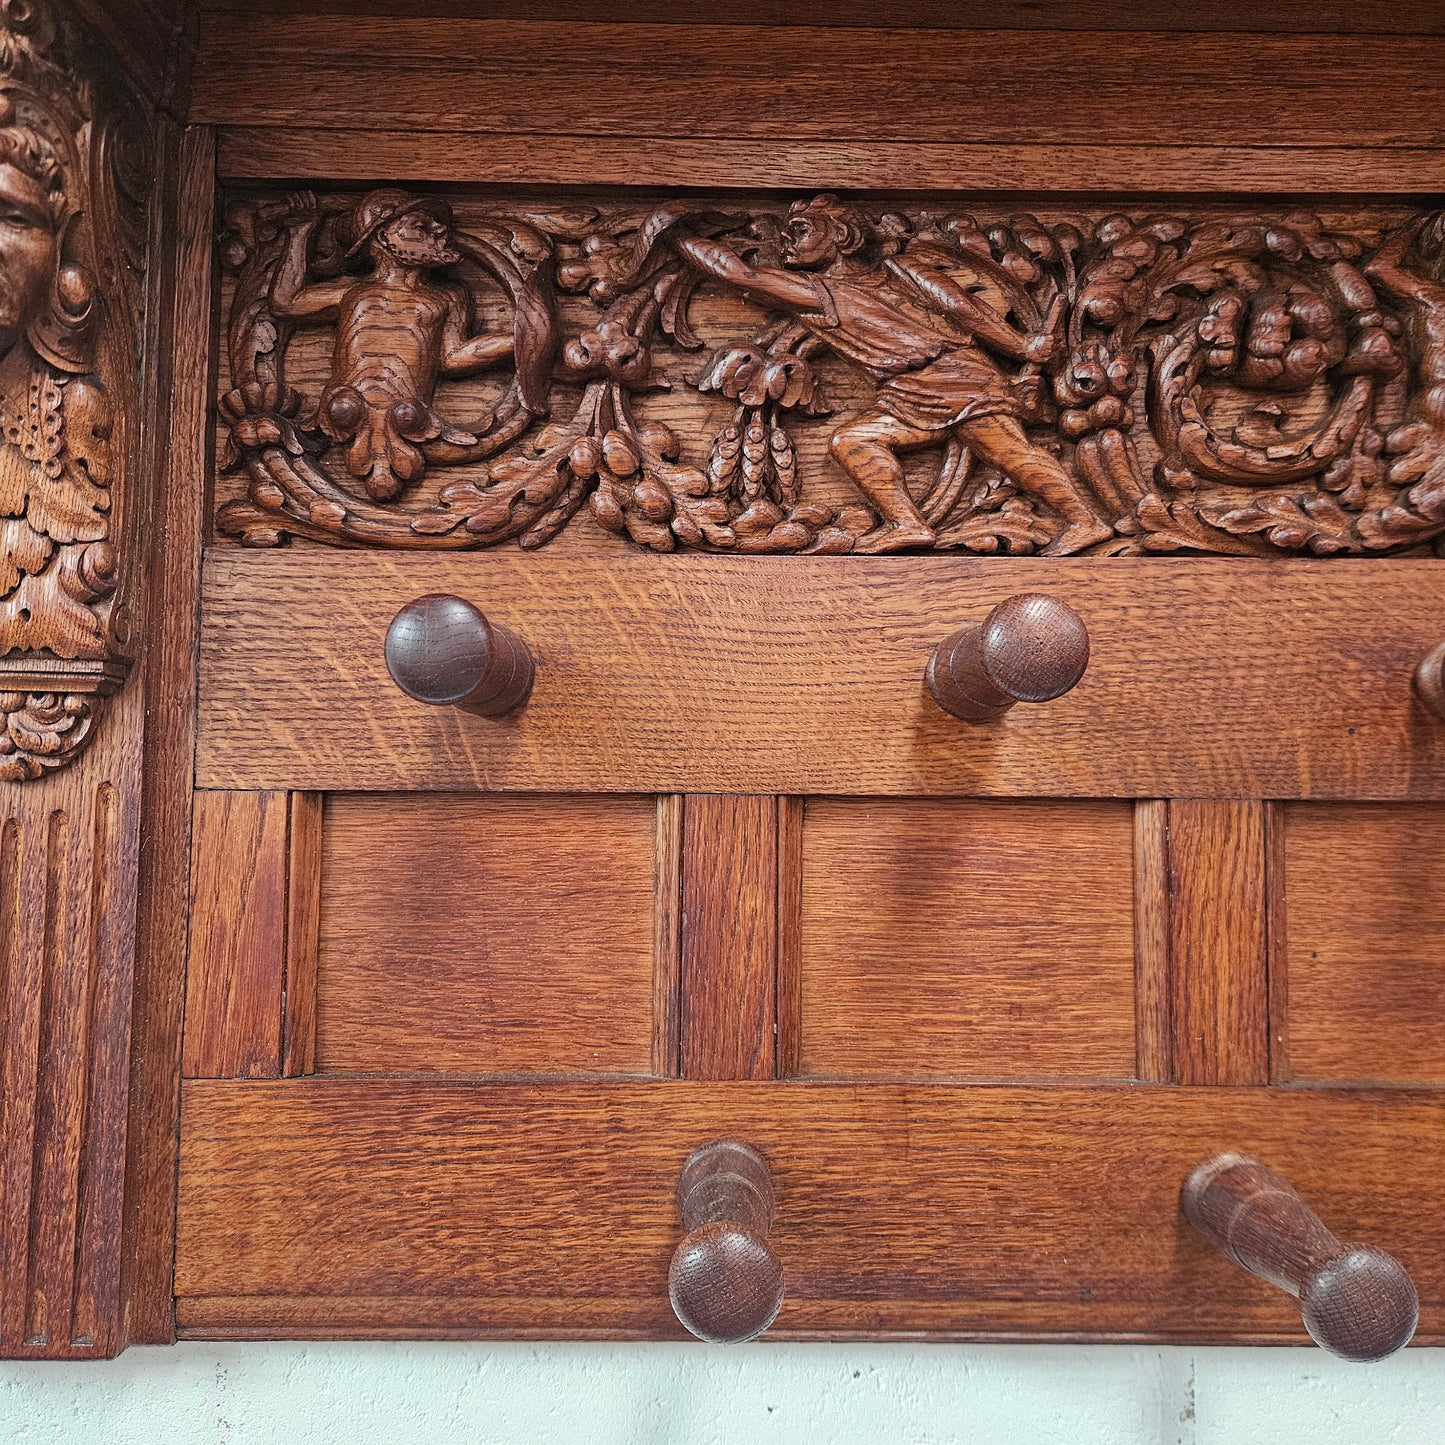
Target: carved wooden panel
(829,376)
(950,937)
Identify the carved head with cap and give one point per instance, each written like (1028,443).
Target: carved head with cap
(412,230)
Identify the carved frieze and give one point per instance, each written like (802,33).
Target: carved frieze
(72,238)
(833,376)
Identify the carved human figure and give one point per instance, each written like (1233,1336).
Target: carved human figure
(399,331)
(935,376)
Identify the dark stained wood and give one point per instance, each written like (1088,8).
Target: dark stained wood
(791,813)
(950,937)
(182,273)
(1430,680)
(516,935)
(1365,913)
(1218,929)
(237,968)
(442,650)
(341,1206)
(154,40)
(807,83)
(1030,648)
(303,932)
(729,936)
(1207,678)
(265,153)
(1357,1301)
(1412,17)
(725,1284)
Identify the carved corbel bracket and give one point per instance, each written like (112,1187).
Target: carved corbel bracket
(49,712)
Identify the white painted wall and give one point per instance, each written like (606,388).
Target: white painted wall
(572,1394)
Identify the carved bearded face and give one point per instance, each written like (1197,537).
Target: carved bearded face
(419,238)
(28,253)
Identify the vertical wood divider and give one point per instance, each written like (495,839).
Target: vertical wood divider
(1154,1056)
(729,936)
(1277,903)
(1218,909)
(791,813)
(667,947)
(303,932)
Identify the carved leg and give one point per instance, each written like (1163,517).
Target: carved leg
(1001,440)
(867,449)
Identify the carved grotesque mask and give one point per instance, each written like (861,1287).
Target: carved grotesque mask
(29,244)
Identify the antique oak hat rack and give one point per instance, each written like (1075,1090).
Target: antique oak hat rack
(771,674)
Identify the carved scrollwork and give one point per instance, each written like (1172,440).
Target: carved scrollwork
(1243,383)
(71,262)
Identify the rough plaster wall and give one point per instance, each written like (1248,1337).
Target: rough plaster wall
(565,1394)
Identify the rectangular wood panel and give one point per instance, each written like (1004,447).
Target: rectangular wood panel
(236,969)
(1218,942)
(487,935)
(1208,679)
(729,936)
(955,937)
(343,1206)
(1365,920)
(811,83)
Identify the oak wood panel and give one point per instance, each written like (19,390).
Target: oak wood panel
(729,936)
(183,386)
(1404,17)
(152,39)
(486,935)
(957,1211)
(953,938)
(667,940)
(303,932)
(1218,933)
(1208,678)
(1365,892)
(816,83)
(421,154)
(1154,1048)
(237,968)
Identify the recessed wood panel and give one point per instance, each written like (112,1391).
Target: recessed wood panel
(348,1206)
(487,935)
(959,937)
(1365,932)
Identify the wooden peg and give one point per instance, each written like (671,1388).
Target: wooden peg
(442,650)
(725,1283)
(1030,648)
(1430,680)
(1357,1301)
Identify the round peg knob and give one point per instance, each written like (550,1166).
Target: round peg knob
(442,650)
(725,1283)
(1030,648)
(1356,1301)
(1430,680)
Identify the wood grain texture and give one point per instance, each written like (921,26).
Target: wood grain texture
(182,387)
(154,41)
(345,1206)
(517,935)
(813,83)
(729,936)
(420,154)
(1366,910)
(1207,678)
(303,932)
(1218,930)
(667,939)
(1411,17)
(1154,1048)
(237,969)
(957,938)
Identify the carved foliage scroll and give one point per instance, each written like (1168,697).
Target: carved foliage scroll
(1118,383)
(72,238)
